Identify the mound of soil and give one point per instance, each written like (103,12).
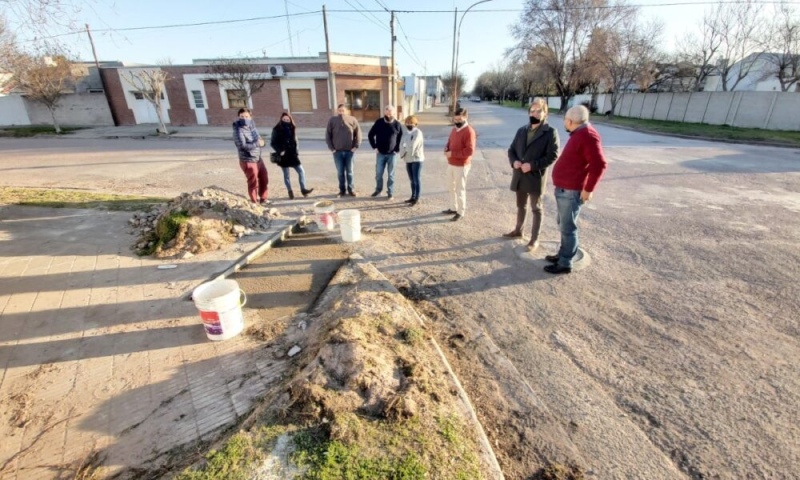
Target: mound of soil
(197,222)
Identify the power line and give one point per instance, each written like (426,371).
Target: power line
(415,56)
(370,19)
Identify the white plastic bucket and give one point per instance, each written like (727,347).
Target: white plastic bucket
(220,304)
(350,225)
(325,215)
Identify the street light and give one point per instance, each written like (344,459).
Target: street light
(456,46)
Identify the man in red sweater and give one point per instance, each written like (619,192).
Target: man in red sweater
(459,150)
(575,176)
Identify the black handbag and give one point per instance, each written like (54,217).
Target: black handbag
(274,157)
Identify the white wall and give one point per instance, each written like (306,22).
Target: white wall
(89,109)
(13,111)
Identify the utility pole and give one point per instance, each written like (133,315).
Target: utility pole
(392,79)
(453,62)
(94,52)
(331,80)
(288,27)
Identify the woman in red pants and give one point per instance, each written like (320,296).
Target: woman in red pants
(248,144)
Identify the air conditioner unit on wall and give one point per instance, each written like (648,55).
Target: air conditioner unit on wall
(276,70)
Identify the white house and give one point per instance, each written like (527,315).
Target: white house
(760,75)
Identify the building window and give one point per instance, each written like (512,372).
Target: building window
(198,99)
(138,95)
(300,100)
(363,104)
(236,98)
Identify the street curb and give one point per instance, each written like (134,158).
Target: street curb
(757,143)
(488,451)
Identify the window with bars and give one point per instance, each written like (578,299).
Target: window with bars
(300,100)
(236,98)
(198,99)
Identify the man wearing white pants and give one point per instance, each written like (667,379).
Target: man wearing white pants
(459,150)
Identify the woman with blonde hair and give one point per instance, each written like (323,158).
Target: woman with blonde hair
(533,150)
(412,150)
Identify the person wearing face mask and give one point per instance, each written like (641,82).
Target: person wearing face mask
(533,150)
(248,145)
(343,136)
(575,176)
(459,150)
(413,152)
(284,142)
(385,137)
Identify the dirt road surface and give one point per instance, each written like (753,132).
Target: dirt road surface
(674,355)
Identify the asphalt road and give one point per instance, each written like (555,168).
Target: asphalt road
(674,355)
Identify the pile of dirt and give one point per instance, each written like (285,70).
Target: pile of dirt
(370,396)
(197,222)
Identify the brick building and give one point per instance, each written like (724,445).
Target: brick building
(195,95)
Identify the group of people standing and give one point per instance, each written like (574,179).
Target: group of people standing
(533,150)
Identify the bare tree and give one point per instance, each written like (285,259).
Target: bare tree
(503,79)
(484,87)
(450,85)
(624,53)
(563,28)
(44,79)
(150,83)
(241,74)
(33,13)
(702,51)
(783,43)
(742,26)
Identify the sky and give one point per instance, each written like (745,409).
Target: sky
(425,40)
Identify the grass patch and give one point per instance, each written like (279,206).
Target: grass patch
(412,336)
(704,130)
(33,130)
(514,104)
(383,450)
(166,230)
(234,461)
(39,197)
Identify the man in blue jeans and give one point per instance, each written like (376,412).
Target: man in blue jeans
(575,176)
(343,136)
(384,137)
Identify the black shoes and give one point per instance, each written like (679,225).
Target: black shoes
(408,201)
(413,202)
(352,194)
(291,195)
(375,193)
(307,192)
(456,217)
(389,197)
(557,269)
(513,234)
(449,211)
(340,195)
(552,258)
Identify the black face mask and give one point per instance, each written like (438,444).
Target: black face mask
(534,120)
(387,118)
(459,124)
(410,127)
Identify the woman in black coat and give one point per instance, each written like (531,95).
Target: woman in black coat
(284,142)
(534,149)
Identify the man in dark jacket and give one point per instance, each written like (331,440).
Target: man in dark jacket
(384,137)
(575,176)
(535,147)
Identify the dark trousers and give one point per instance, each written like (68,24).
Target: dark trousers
(536,211)
(257,179)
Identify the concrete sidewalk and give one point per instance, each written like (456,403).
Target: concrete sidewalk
(435,116)
(99,353)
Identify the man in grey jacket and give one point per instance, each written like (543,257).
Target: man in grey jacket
(343,136)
